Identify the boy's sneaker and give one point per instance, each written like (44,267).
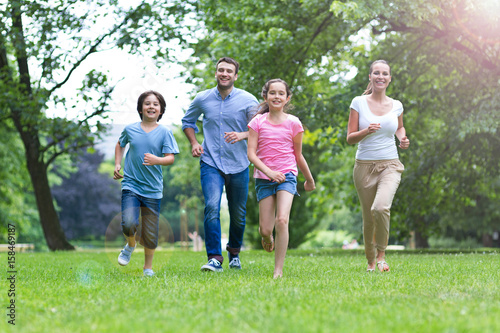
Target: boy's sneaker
(125,254)
(235,263)
(148,272)
(213,265)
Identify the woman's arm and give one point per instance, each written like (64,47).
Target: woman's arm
(404,142)
(354,135)
(253,139)
(309,184)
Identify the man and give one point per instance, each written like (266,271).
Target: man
(226,112)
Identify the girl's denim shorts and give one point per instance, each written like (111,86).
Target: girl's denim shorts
(265,188)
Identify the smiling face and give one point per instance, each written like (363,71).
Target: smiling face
(380,76)
(277,96)
(226,75)
(151,108)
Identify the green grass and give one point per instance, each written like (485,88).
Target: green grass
(322,291)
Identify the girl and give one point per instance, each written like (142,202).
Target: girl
(151,146)
(374,119)
(275,149)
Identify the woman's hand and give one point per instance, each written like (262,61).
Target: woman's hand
(404,143)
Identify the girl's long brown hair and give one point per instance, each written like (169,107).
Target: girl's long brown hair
(264,107)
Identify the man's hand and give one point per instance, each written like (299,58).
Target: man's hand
(196,150)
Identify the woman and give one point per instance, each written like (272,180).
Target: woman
(374,119)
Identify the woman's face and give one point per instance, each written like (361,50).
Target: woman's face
(380,77)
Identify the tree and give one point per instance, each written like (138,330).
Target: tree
(87,199)
(17,204)
(42,44)
(182,189)
(304,45)
(446,58)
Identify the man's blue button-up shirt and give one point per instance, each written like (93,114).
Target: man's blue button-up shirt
(231,114)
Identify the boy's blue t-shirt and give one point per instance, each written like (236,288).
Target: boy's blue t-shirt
(145,180)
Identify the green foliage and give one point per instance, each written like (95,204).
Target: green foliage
(17,203)
(450,92)
(84,292)
(304,45)
(42,45)
(182,189)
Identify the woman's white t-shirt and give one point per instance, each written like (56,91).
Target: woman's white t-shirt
(380,145)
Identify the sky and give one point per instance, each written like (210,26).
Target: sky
(132,75)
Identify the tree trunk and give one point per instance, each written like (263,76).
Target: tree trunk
(487,240)
(421,241)
(54,234)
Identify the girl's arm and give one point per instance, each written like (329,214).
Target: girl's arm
(302,163)
(119,151)
(404,142)
(253,139)
(150,159)
(354,135)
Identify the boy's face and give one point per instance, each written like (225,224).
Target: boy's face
(151,108)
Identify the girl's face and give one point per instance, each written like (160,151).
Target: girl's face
(151,108)
(277,96)
(380,76)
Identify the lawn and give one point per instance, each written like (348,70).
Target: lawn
(321,291)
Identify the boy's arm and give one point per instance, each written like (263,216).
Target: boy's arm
(119,151)
(150,159)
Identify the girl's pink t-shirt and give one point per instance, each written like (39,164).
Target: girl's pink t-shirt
(275,143)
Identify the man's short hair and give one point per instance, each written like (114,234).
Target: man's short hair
(229,61)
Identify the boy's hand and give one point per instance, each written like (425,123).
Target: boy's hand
(116,173)
(150,159)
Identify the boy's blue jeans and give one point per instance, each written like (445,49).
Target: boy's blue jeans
(149,209)
(212,182)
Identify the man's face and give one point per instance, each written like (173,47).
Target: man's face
(225,75)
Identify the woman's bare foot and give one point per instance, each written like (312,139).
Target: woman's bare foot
(371,267)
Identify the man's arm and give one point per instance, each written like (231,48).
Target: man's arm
(196,148)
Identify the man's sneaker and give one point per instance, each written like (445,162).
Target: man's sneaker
(235,263)
(148,272)
(125,254)
(213,265)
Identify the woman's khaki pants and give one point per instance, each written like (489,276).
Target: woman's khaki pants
(376,182)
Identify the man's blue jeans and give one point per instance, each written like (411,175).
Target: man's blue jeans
(212,182)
